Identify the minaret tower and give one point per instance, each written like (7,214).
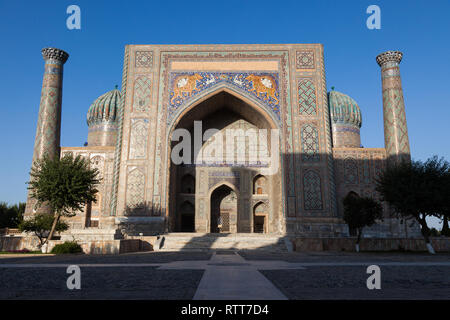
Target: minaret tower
(395,130)
(48,131)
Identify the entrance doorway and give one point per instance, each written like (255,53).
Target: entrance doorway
(223,210)
(259,224)
(260,213)
(187,217)
(223,110)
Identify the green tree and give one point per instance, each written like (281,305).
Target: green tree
(446,204)
(417,190)
(11,216)
(64,184)
(40,225)
(360,212)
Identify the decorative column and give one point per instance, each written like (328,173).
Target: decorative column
(395,130)
(48,131)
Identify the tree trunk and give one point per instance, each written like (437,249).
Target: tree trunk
(358,239)
(426,234)
(445,230)
(52,231)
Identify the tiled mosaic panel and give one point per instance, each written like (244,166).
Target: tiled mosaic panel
(304,59)
(312,191)
(98,162)
(396,131)
(144,59)
(350,171)
(307,97)
(138,138)
(47,135)
(142,94)
(135,189)
(262,86)
(310,143)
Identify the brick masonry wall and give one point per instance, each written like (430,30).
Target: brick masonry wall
(369,244)
(8,243)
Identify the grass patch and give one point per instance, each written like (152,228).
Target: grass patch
(20,252)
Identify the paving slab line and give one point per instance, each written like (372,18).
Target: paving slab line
(231,277)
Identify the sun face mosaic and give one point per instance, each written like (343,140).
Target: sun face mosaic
(185,86)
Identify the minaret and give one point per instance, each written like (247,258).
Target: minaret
(48,131)
(395,130)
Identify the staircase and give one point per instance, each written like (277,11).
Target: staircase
(222,241)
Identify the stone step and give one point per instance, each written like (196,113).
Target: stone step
(207,241)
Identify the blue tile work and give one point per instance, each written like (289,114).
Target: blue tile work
(186,85)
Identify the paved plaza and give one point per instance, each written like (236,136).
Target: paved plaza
(226,275)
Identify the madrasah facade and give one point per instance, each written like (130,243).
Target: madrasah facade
(313,142)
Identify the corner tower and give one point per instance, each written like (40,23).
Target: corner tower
(395,129)
(48,131)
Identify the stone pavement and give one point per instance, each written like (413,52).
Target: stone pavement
(230,277)
(227,275)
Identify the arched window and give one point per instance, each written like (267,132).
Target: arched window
(260,185)
(188,184)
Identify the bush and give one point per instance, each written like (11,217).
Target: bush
(67,247)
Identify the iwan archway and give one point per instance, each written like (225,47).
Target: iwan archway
(223,165)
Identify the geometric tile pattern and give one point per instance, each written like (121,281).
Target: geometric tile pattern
(396,132)
(307,97)
(365,172)
(310,143)
(47,133)
(312,193)
(98,162)
(138,138)
(144,59)
(304,59)
(135,189)
(262,86)
(350,171)
(142,91)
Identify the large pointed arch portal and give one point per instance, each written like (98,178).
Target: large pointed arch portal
(222,110)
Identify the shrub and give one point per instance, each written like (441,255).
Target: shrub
(67,247)
(41,224)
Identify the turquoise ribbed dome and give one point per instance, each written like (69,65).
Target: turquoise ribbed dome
(104,108)
(343,109)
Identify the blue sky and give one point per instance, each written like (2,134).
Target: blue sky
(418,28)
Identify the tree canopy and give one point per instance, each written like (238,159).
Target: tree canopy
(40,225)
(11,215)
(65,184)
(360,212)
(417,190)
